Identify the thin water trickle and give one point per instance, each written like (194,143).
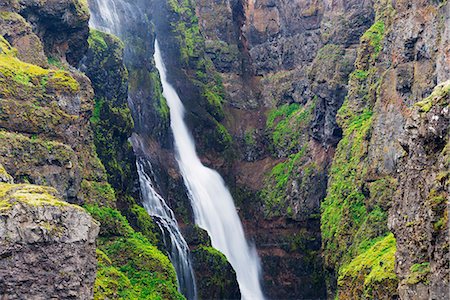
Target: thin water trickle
(211,201)
(164,217)
(112,16)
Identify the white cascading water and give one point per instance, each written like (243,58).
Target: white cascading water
(107,19)
(211,201)
(164,217)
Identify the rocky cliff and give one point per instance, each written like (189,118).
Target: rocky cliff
(47,246)
(54,134)
(303,107)
(327,119)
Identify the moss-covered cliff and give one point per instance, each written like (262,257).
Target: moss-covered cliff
(327,119)
(315,99)
(53,133)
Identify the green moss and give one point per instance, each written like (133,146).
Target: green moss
(97,41)
(26,75)
(374,36)
(63,81)
(145,224)
(112,126)
(5,47)
(287,126)
(112,222)
(82,8)
(288,123)
(4,176)
(343,209)
(275,189)
(356,241)
(192,47)
(9,16)
(130,267)
(223,136)
(186,29)
(110,283)
(249,137)
(214,100)
(440,95)
(33,195)
(216,276)
(55,62)
(96,112)
(360,74)
(419,273)
(375,265)
(213,252)
(160,104)
(149,271)
(34,150)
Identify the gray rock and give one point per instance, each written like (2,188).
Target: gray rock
(47,247)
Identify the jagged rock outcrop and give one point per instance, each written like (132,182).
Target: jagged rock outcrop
(47,246)
(46,137)
(215,278)
(419,213)
(61,25)
(112,121)
(367,168)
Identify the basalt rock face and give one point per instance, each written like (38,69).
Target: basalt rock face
(62,25)
(398,65)
(419,214)
(45,117)
(47,246)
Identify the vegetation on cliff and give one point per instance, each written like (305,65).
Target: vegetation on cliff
(355,210)
(53,133)
(129,266)
(201,72)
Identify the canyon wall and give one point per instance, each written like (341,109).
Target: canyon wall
(327,119)
(303,107)
(60,147)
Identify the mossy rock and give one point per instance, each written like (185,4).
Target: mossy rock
(215,277)
(21,36)
(371,274)
(4,176)
(129,265)
(439,96)
(32,195)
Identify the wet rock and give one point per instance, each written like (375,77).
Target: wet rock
(215,278)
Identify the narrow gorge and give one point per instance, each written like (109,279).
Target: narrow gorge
(226,149)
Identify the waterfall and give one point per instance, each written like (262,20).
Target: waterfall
(212,203)
(112,16)
(164,217)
